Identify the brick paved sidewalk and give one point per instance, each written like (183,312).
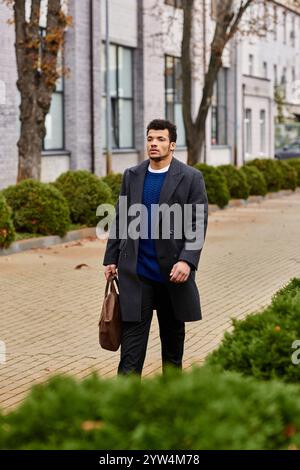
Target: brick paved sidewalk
(49,310)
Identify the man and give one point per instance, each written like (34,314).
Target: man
(157,272)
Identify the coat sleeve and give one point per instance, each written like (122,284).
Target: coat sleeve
(197,195)
(112,248)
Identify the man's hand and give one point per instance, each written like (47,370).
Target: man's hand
(180,272)
(110,270)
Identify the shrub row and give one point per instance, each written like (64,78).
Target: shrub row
(49,209)
(255,178)
(202,409)
(262,344)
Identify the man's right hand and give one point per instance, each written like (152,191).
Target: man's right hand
(110,270)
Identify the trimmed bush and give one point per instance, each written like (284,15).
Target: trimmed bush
(295,163)
(261,345)
(271,171)
(38,208)
(255,179)
(216,185)
(7,230)
(289,175)
(200,410)
(236,181)
(114,181)
(84,192)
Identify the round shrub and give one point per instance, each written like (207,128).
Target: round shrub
(114,181)
(7,230)
(216,185)
(84,192)
(261,345)
(38,208)
(271,171)
(289,175)
(255,179)
(236,181)
(295,163)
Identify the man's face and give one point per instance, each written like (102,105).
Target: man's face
(159,145)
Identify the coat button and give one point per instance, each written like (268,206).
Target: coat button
(175,255)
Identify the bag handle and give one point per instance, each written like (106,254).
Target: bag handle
(111,286)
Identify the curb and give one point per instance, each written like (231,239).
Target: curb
(90,232)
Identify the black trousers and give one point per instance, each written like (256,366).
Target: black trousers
(135,334)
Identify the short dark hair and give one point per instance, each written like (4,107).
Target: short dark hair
(160,125)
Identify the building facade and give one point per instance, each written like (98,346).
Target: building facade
(145,83)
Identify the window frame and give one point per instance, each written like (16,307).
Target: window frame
(62,94)
(174,58)
(215,109)
(117,98)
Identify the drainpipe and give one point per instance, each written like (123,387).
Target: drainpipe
(204,63)
(92,87)
(243,122)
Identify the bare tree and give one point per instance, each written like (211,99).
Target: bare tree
(36,54)
(228,18)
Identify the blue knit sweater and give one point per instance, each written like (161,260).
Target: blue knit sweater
(147,264)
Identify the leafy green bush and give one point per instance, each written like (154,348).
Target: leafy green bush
(84,192)
(289,175)
(295,163)
(271,171)
(7,230)
(236,181)
(114,181)
(255,179)
(202,409)
(38,208)
(216,185)
(261,345)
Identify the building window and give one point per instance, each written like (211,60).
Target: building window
(293,31)
(248,131)
(262,124)
(275,23)
(284,81)
(251,64)
(275,75)
(121,93)
(265,69)
(219,110)
(55,138)
(174,3)
(173,96)
(284,27)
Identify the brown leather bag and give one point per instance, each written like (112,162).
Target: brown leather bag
(110,323)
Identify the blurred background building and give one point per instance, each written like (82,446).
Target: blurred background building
(257,91)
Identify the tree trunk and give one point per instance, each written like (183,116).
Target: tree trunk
(32,134)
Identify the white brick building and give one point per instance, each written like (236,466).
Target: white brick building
(145,37)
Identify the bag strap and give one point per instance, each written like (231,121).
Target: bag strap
(111,286)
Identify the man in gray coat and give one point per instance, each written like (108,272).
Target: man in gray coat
(156,265)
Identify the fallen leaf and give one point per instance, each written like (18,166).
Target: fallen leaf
(79,266)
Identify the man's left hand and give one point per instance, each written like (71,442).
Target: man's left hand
(180,272)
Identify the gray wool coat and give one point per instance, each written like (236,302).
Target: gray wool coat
(183,184)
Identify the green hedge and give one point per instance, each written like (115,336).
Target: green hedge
(84,192)
(7,230)
(261,345)
(114,181)
(295,163)
(255,179)
(271,171)
(289,175)
(216,185)
(236,181)
(38,208)
(202,409)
